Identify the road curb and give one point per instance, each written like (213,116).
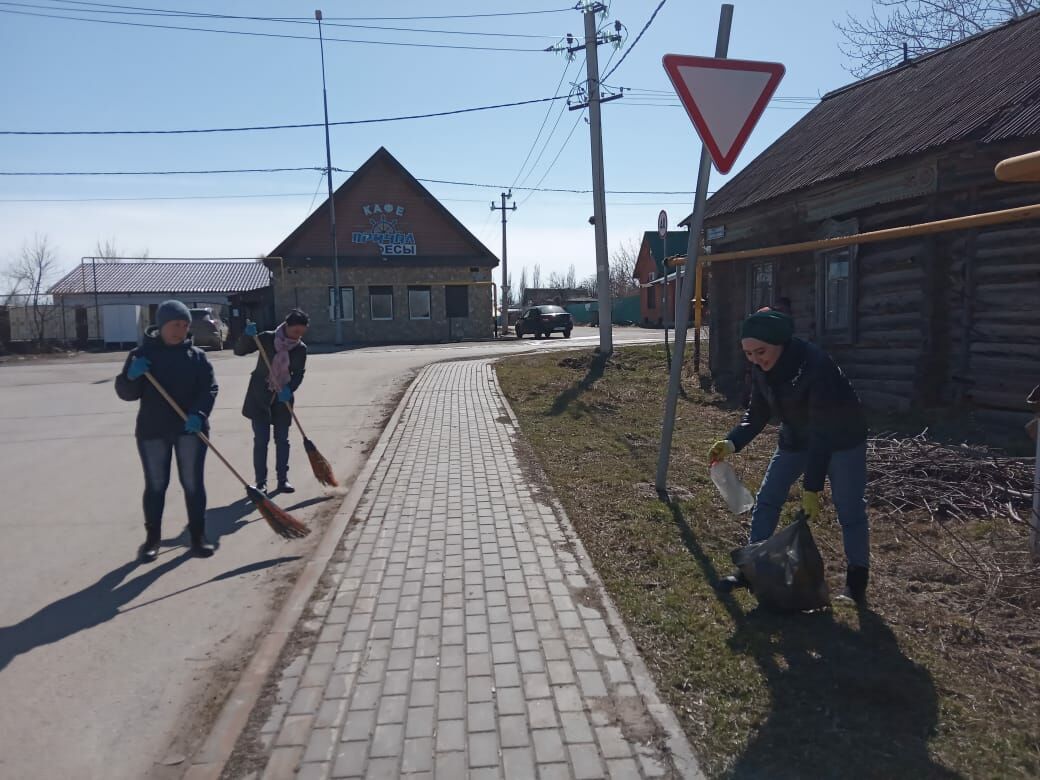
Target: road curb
(208,762)
(682,754)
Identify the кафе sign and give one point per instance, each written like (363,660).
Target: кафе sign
(384,231)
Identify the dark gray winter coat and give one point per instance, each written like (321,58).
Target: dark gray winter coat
(185,373)
(261,404)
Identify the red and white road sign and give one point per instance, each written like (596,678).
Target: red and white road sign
(724,98)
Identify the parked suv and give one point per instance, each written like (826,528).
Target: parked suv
(544,320)
(207,329)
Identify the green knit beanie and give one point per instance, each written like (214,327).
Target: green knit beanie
(772,327)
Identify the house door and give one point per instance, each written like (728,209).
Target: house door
(82,327)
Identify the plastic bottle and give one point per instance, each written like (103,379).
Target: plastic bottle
(737,497)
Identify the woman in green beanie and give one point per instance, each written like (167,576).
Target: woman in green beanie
(822,434)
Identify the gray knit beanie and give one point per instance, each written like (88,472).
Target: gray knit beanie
(169,311)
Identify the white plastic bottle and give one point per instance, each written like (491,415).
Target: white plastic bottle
(737,497)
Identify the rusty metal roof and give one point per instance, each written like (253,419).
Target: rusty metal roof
(165,277)
(985,88)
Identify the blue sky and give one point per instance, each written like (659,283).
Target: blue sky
(63,74)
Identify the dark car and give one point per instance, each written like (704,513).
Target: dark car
(207,330)
(543,320)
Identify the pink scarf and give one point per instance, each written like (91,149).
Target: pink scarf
(279,376)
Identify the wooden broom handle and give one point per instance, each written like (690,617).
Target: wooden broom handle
(200,434)
(270,372)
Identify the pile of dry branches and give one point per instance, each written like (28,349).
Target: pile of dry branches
(965,508)
(907,474)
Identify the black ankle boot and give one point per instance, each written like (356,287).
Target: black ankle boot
(150,549)
(856,578)
(731,582)
(201,546)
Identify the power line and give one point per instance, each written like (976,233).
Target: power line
(101,8)
(268,35)
(629,49)
(553,163)
(158,173)
(545,145)
(548,110)
(343,18)
(297,126)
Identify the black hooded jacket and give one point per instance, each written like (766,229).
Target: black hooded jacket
(183,371)
(262,405)
(818,408)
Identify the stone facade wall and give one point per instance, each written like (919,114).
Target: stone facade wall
(308,289)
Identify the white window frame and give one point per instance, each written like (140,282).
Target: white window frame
(422,289)
(753,303)
(371,301)
(847,333)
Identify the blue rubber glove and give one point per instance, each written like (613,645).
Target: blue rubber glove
(193,424)
(285,395)
(139,366)
(250,330)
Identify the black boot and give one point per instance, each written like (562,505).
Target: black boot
(201,547)
(731,582)
(856,578)
(284,486)
(150,549)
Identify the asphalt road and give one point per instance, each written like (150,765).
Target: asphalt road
(111,669)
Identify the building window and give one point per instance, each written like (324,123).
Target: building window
(761,288)
(348,303)
(381,302)
(456,300)
(837,303)
(419,303)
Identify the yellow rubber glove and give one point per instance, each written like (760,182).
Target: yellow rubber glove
(811,503)
(721,450)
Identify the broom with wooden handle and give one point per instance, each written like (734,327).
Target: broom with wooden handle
(319,465)
(281,522)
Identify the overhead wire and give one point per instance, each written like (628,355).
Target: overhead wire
(633,44)
(285,36)
(548,110)
(296,126)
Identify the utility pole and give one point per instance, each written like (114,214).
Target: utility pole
(505,268)
(337,293)
(599,200)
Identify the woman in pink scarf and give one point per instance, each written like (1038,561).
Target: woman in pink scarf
(270,391)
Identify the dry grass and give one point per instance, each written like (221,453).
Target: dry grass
(924,684)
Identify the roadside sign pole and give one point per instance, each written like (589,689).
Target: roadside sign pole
(693,247)
(662,231)
(697,293)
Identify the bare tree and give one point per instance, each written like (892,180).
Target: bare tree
(572,278)
(587,286)
(622,266)
(876,42)
(521,289)
(557,280)
(30,275)
(536,276)
(109,251)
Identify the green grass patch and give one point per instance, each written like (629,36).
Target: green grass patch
(914,687)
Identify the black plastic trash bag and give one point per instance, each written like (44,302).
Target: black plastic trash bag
(786,570)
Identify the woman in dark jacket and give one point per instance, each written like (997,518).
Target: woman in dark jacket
(184,372)
(822,434)
(270,391)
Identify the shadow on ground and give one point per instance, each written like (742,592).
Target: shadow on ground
(835,692)
(597,365)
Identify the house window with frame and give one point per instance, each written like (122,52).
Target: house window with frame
(761,288)
(419,303)
(456,301)
(381,302)
(348,304)
(837,287)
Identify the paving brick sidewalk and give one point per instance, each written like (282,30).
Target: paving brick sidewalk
(463,638)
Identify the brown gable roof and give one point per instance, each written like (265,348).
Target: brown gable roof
(985,88)
(382,155)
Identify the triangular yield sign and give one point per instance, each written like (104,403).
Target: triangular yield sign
(724,98)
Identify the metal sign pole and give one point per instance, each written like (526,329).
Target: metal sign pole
(693,247)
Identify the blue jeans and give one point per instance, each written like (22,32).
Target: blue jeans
(156,458)
(848,476)
(261,438)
